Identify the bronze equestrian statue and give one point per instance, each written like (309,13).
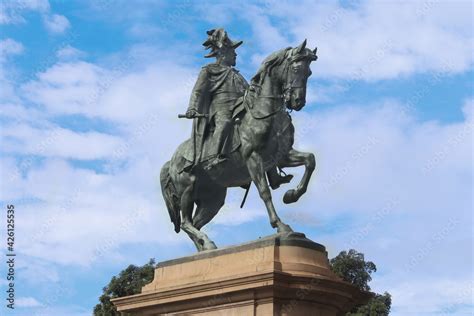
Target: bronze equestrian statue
(241,134)
(212,101)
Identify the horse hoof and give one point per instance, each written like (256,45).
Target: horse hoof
(290,197)
(209,246)
(284,228)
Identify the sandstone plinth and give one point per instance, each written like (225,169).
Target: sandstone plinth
(278,275)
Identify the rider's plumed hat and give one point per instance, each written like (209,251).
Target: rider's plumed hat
(216,40)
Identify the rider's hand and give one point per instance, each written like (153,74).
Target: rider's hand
(191,113)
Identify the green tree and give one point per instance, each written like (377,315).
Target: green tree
(352,267)
(130,281)
(377,306)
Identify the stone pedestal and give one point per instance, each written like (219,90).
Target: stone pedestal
(283,274)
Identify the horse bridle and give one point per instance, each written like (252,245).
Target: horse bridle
(287,86)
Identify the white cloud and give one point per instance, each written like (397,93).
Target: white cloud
(141,30)
(161,89)
(445,296)
(118,94)
(10,47)
(67,88)
(11,11)
(56,309)
(15,112)
(36,271)
(382,146)
(231,214)
(68,52)
(368,40)
(267,35)
(56,23)
(57,142)
(403,189)
(80,217)
(142,104)
(39,5)
(367,155)
(25,302)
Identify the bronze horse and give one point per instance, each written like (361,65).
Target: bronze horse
(266,136)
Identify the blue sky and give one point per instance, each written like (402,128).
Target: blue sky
(89,95)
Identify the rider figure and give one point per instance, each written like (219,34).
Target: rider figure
(217,88)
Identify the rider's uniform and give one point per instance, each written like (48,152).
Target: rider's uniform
(215,93)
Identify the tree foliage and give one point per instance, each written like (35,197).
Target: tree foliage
(130,281)
(352,267)
(377,306)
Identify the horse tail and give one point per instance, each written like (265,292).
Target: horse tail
(170,196)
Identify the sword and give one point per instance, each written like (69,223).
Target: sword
(245,196)
(197,115)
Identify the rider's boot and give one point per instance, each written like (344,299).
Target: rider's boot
(222,133)
(275,179)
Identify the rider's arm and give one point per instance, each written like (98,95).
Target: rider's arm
(199,92)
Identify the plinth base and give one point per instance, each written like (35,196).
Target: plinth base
(283,274)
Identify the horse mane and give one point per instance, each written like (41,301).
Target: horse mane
(268,64)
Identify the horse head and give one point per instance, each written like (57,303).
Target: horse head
(283,76)
(295,77)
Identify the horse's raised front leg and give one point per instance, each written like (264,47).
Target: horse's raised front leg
(294,159)
(257,173)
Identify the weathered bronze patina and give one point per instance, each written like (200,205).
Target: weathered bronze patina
(241,134)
